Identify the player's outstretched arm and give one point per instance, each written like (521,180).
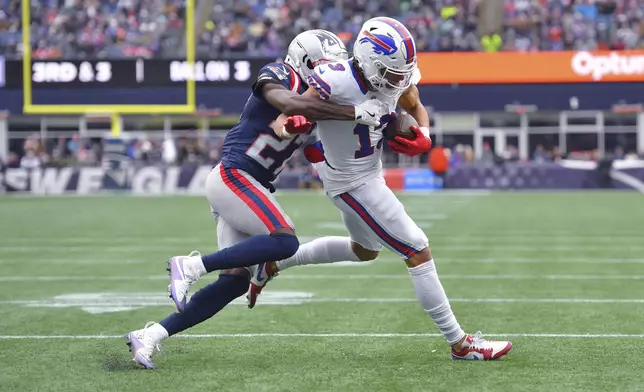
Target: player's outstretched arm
(314,109)
(308,104)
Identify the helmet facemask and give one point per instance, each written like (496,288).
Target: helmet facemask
(389,81)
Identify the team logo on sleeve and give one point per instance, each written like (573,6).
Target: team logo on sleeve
(382,44)
(279,72)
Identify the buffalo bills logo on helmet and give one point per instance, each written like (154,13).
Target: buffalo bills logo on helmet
(382,44)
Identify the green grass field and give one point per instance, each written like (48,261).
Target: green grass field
(561,275)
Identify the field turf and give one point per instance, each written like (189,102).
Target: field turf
(561,275)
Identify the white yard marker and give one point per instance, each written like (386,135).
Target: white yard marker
(331,225)
(96,303)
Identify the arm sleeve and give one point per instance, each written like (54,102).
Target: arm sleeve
(272,73)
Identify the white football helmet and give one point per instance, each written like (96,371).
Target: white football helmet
(386,54)
(314,47)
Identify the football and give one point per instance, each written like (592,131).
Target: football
(401,126)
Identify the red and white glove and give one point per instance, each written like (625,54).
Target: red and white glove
(412,147)
(295,125)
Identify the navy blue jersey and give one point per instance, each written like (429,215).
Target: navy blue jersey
(251,145)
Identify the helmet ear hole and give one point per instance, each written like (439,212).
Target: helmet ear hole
(308,62)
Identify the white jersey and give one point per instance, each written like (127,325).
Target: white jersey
(353,151)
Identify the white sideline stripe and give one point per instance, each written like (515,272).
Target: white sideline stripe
(529,260)
(443,238)
(406,300)
(466,259)
(487,300)
(448,192)
(336,335)
(330,277)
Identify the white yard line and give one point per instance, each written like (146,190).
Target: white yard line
(468,251)
(542,260)
(128,302)
(552,238)
(487,300)
(333,335)
(465,259)
(327,277)
(528,260)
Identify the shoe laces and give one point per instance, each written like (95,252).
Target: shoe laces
(148,340)
(478,341)
(194,253)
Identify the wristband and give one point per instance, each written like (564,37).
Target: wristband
(425,131)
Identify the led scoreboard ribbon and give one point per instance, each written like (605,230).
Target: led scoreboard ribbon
(132,73)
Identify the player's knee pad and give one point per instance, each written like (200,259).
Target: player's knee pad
(288,245)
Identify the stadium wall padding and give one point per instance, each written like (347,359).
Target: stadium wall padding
(190,179)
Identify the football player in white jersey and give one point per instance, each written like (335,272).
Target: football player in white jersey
(384,67)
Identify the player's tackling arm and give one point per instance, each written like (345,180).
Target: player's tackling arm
(367,113)
(308,105)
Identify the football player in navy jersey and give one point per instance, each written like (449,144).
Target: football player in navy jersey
(252,228)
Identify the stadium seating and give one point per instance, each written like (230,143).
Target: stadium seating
(137,28)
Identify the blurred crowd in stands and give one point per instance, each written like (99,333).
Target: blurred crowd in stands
(32,152)
(147,28)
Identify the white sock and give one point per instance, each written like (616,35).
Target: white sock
(432,297)
(157,332)
(195,266)
(320,251)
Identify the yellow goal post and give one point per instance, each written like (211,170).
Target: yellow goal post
(113,110)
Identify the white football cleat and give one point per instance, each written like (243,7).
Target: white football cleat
(143,343)
(184,272)
(476,348)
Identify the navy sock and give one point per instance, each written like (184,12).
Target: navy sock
(255,250)
(206,302)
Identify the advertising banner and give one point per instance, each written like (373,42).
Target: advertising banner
(191,179)
(537,67)
(120,177)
